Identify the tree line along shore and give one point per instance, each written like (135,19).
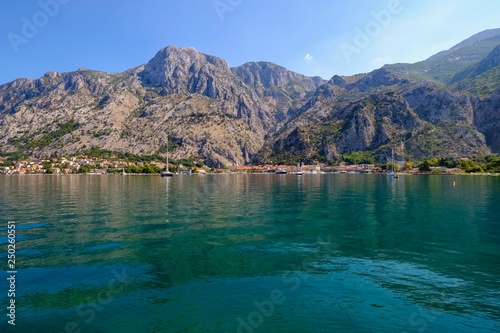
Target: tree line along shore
(101,161)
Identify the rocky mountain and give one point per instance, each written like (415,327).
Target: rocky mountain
(203,106)
(277,86)
(480,78)
(378,112)
(260,112)
(447,105)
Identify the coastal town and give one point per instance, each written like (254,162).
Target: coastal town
(73,165)
(101,166)
(67,166)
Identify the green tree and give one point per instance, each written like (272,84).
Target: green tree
(493,164)
(14,156)
(424,166)
(448,162)
(149,169)
(84,169)
(47,166)
(470,166)
(131,169)
(358,157)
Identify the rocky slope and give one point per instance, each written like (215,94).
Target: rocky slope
(447,105)
(202,105)
(261,112)
(480,78)
(379,112)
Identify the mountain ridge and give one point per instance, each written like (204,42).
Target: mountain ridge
(256,112)
(441,67)
(480,36)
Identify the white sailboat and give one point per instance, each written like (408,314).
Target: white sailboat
(299,170)
(167,173)
(123,166)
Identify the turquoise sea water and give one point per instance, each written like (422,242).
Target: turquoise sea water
(253,253)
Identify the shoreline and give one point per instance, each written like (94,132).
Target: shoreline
(261,173)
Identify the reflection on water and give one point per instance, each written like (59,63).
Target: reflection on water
(348,252)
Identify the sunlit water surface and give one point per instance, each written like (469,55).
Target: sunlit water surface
(253,253)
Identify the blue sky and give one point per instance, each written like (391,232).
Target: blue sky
(312,37)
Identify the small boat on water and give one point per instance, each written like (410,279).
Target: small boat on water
(281,171)
(167,174)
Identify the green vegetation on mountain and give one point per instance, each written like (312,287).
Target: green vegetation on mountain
(359,157)
(443,66)
(44,138)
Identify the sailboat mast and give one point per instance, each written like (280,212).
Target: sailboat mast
(167,172)
(392,159)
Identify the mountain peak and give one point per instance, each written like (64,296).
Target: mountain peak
(442,67)
(486,34)
(266,75)
(481,37)
(173,63)
(189,54)
(378,78)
